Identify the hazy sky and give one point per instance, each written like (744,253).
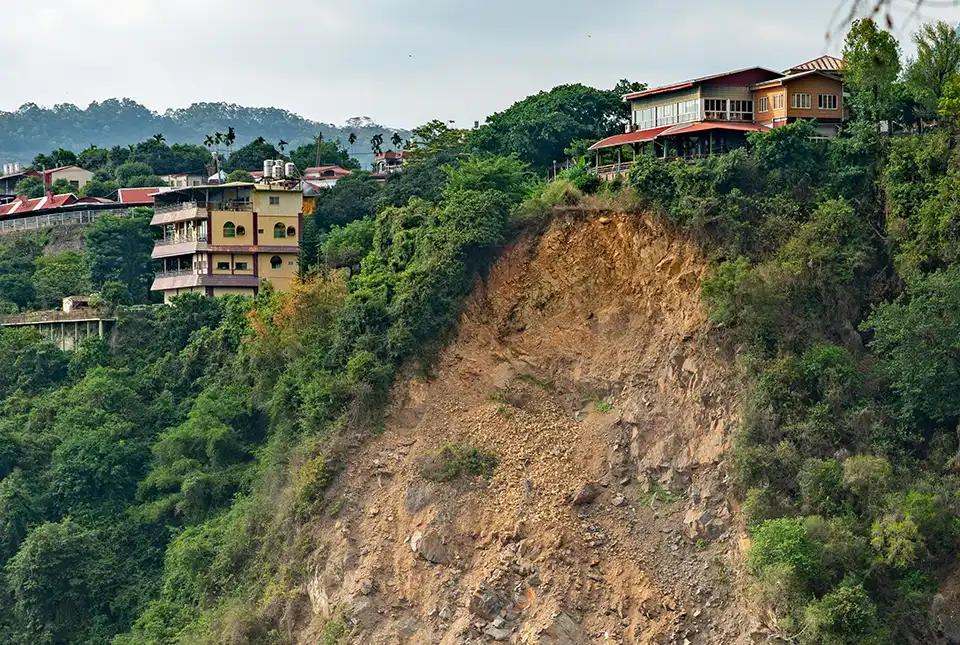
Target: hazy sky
(401,62)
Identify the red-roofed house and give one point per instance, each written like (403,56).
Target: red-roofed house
(21,206)
(77,176)
(712,114)
(389,161)
(137,196)
(325,176)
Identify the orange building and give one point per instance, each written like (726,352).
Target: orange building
(712,114)
(227,239)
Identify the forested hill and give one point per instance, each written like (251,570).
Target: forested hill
(33,129)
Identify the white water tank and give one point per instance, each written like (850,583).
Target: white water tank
(278,171)
(267,168)
(289,169)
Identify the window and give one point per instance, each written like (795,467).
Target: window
(827,101)
(241,230)
(645,119)
(800,101)
(274,200)
(276,262)
(229,229)
(715,109)
(291,232)
(74,184)
(667,114)
(240,266)
(688,111)
(778,101)
(279,230)
(763,104)
(223,266)
(741,110)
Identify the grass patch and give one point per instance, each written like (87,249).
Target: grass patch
(547,385)
(497,395)
(458,460)
(603,406)
(660,494)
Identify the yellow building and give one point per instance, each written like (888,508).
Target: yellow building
(227,239)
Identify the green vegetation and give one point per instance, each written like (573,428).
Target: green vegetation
(158,490)
(458,460)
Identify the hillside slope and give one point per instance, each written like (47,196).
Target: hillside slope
(597,310)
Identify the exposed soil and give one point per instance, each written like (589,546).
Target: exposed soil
(582,359)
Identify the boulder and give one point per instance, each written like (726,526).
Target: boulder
(562,631)
(698,524)
(486,602)
(430,547)
(587,494)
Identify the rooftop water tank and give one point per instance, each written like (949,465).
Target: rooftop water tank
(267,168)
(289,169)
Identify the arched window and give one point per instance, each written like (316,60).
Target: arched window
(291,232)
(276,262)
(229,229)
(241,231)
(279,230)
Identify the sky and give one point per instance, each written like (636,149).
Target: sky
(401,62)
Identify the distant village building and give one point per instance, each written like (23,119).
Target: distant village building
(712,114)
(185,179)
(388,162)
(138,196)
(227,238)
(76,176)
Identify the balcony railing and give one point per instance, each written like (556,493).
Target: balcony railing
(50,220)
(213,206)
(176,273)
(183,239)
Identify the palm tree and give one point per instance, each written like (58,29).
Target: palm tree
(319,140)
(282,144)
(260,140)
(159,138)
(377,143)
(208,142)
(352,139)
(396,140)
(229,138)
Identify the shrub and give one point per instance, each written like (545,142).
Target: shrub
(456,460)
(785,541)
(821,487)
(653,181)
(846,616)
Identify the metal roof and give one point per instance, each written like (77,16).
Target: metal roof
(823,63)
(792,77)
(693,82)
(629,137)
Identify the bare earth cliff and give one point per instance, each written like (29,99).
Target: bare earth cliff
(582,363)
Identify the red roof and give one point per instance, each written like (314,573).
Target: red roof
(703,126)
(325,171)
(47,202)
(747,75)
(629,137)
(53,170)
(137,195)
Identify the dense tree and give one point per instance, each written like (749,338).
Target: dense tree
(240,175)
(872,64)
(99,188)
(353,197)
(541,126)
(251,156)
(61,187)
(59,276)
(118,249)
(55,159)
(31,187)
(331,154)
(937,61)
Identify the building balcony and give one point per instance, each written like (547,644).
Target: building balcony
(180,212)
(172,247)
(186,278)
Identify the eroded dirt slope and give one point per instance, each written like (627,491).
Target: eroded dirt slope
(584,365)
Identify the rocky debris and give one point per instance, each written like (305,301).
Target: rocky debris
(587,494)
(487,603)
(498,633)
(697,523)
(418,496)
(430,547)
(563,630)
(945,611)
(365,586)
(674,480)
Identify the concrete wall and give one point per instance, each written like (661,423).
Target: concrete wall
(79,175)
(239,218)
(267,229)
(289,202)
(283,277)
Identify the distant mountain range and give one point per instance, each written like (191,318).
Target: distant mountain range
(32,129)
